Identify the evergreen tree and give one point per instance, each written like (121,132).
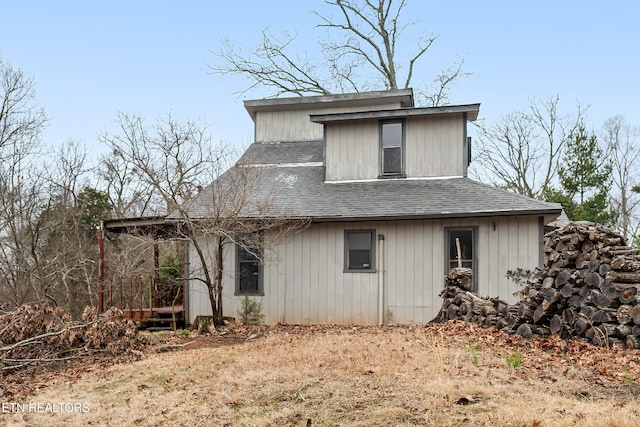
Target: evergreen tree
(585,177)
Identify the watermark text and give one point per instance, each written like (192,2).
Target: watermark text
(44,408)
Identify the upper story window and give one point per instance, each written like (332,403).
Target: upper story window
(392,148)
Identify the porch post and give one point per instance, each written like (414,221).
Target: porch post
(157,295)
(100,268)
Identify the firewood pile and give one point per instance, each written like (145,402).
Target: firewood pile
(461,303)
(37,335)
(588,288)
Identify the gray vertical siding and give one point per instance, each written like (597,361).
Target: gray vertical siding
(304,281)
(352,151)
(433,145)
(295,125)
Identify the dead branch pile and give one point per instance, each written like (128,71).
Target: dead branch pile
(588,288)
(37,335)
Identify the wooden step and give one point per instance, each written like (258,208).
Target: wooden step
(159,328)
(163,319)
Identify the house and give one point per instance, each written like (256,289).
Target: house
(391,209)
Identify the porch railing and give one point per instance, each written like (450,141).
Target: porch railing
(140,297)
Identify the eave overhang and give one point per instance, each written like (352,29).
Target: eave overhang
(156,226)
(549,215)
(403,97)
(471,111)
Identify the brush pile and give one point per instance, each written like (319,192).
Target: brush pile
(37,335)
(588,288)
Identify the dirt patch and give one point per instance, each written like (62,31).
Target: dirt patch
(202,341)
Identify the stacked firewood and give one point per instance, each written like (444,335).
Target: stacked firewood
(588,288)
(461,303)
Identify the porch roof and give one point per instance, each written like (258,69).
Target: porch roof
(156,226)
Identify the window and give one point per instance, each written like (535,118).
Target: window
(248,271)
(359,251)
(392,147)
(461,249)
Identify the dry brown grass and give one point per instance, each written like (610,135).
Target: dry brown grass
(440,375)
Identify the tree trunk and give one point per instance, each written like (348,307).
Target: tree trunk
(625,264)
(525,330)
(587,246)
(632,342)
(555,324)
(569,316)
(581,326)
(625,277)
(567,290)
(548,282)
(218,317)
(635,314)
(627,293)
(582,260)
(604,269)
(624,314)
(608,288)
(593,280)
(562,278)
(600,300)
(600,316)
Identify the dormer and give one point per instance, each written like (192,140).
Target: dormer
(287,119)
(370,135)
(397,143)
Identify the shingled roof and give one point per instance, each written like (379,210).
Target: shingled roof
(291,177)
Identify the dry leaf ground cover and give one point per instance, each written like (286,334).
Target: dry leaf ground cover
(452,374)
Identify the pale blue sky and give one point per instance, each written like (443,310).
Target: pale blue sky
(91,59)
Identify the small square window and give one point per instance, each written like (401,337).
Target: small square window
(359,251)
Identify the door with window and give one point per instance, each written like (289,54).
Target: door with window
(460,251)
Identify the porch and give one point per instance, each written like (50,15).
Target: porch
(152,302)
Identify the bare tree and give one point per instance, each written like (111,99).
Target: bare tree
(48,248)
(66,173)
(21,124)
(621,140)
(67,242)
(520,152)
(21,119)
(47,209)
(211,200)
(20,270)
(129,196)
(361,52)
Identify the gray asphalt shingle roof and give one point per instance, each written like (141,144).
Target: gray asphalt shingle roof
(283,153)
(300,191)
